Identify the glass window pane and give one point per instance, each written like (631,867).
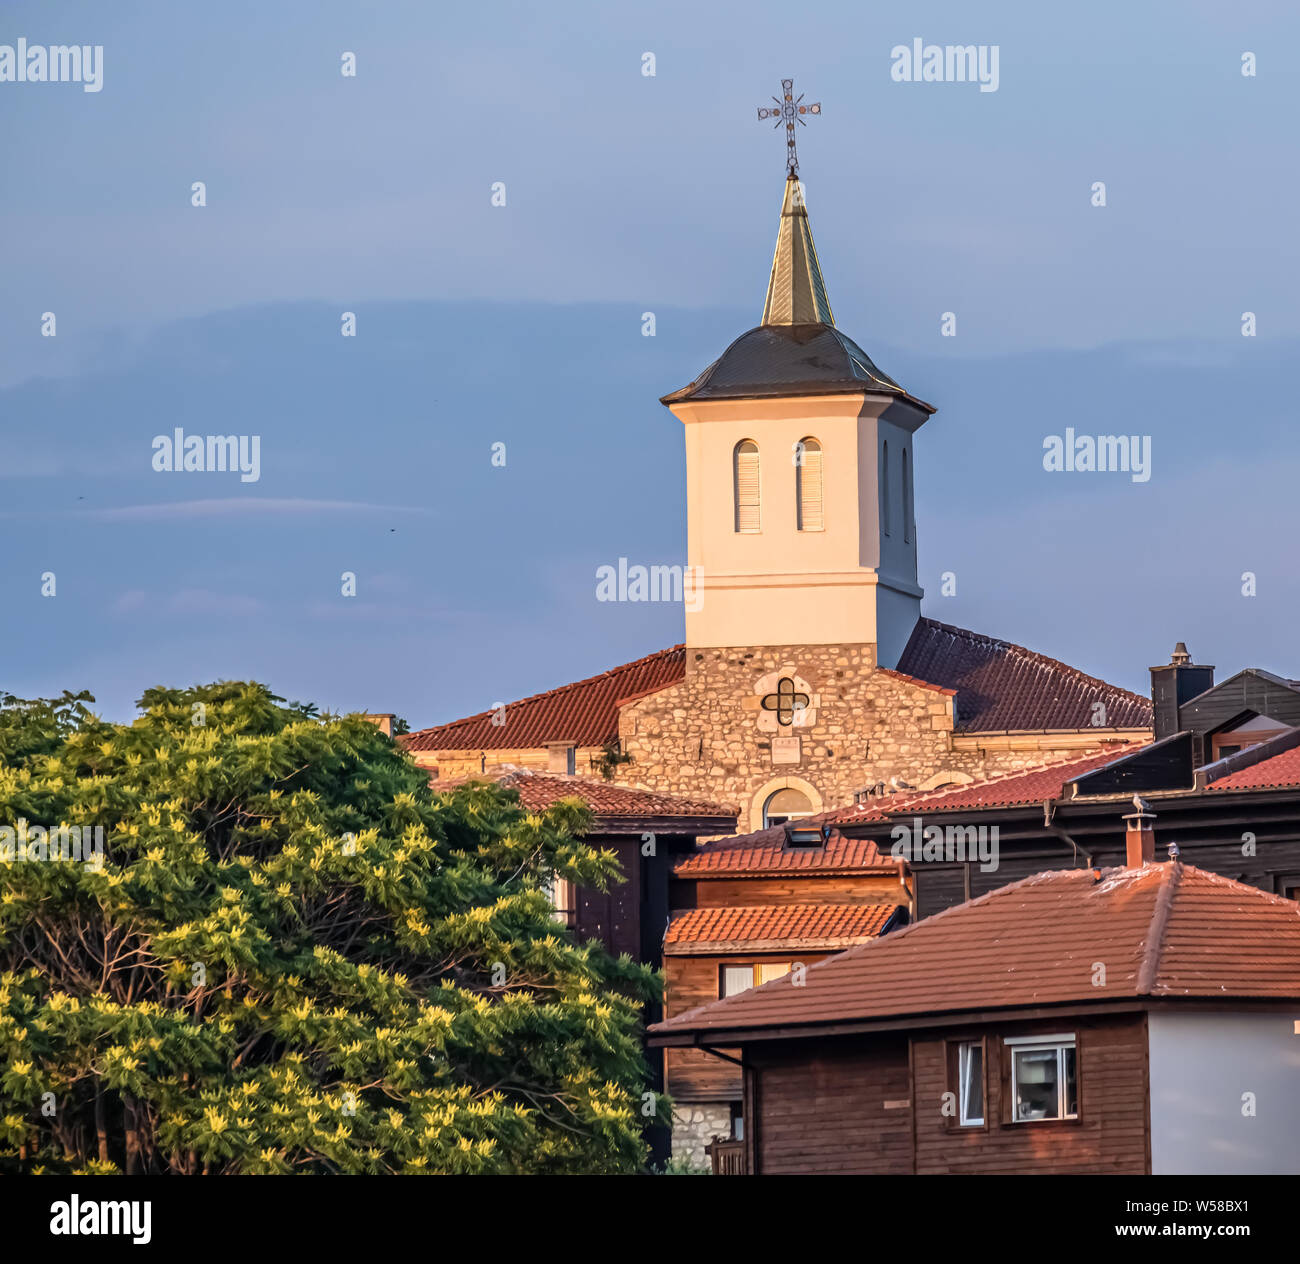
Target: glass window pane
(770,970)
(737,979)
(971,1063)
(1071,1084)
(1037,1089)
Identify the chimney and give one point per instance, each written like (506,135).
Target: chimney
(1176,682)
(1140,835)
(383,721)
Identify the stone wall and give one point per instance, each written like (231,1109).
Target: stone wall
(710,736)
(695,1124)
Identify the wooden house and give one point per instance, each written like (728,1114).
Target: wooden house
(1142,1019)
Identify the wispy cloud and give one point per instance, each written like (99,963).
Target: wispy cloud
(243,507)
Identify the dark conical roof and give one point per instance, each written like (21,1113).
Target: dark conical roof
(773,360)
(796,350)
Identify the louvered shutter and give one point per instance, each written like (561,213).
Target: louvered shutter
(811,517)
(746,477)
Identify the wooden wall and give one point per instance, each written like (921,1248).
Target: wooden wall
(792,888)
(691,1074)
(1110,1135)
(841,1108)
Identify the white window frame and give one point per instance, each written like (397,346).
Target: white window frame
(964,1050)
(1037,1044)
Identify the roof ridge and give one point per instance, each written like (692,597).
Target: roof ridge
(549,693)
(1045,659)
(1153,949)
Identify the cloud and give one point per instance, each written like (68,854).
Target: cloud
(237,506)
(188,601)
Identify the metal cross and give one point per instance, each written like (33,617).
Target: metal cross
(789,110)
(785,701)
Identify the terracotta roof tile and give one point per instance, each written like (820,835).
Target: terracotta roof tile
(1269,774)
(765,852)
(1006,688)
(539,790)
(585,712)
(795,925)
(1029,785)
(1163,930)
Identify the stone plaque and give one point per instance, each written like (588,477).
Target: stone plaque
(785,750)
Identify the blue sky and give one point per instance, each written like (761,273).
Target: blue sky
(521,324)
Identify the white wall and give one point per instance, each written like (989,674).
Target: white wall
(1201,1065)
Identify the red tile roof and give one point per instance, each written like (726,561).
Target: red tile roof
(1276,773)
(585,712)
(1030,785)
(765,852)
(796,926)
(1006,688)
(1164,930)
(539,790)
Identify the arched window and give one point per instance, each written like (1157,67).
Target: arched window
(808,486)
(785,805)
(884,489)
(907,500)
(744,462)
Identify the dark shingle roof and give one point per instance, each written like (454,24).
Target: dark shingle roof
(772,360)
(1005,688)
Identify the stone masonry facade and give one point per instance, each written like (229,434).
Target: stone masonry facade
(711,736)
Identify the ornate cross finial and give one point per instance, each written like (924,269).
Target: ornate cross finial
(789,110)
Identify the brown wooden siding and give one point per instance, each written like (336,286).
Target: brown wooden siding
(1110,1135)
(842,1109)
(691,1074)
(789,889)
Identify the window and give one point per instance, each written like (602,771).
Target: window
(884,489)
(741,978)
(785,805)
(563,900)
(970,1084)
(907,501)
(808,486)
(1044,1080)
(745,472)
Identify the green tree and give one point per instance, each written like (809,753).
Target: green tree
(293,957)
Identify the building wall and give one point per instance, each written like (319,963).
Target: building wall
(838,1108)
(1225,1093)
(795,887)
(1108,1137)
(691,1075)
(705,737)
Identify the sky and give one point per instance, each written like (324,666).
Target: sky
(521,324)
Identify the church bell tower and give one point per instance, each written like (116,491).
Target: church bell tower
(799,469)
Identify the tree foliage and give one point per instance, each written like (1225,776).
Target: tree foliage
(295,958)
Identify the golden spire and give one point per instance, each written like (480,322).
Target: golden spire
(796,291)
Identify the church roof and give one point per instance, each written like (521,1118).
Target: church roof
(1005,688)
(584,713)
(776,360)
(1164,931)
(796,350)
(1000,687)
